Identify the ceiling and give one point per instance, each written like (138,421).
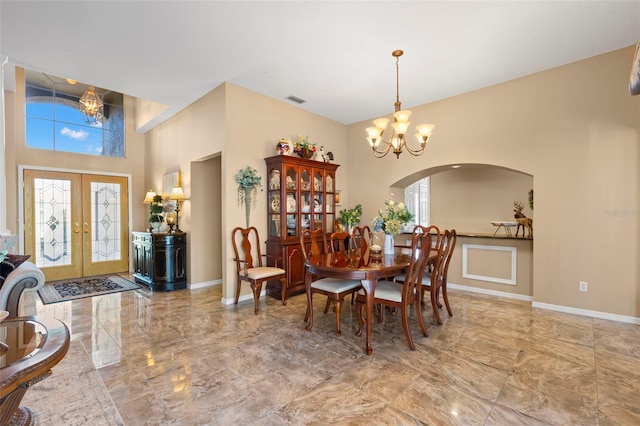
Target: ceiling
(334,55)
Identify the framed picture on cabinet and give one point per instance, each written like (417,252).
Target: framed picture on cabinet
(337,197)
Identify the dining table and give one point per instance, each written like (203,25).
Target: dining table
(356,265)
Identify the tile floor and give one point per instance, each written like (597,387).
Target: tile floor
(183,358)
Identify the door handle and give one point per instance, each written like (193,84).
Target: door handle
(86,230)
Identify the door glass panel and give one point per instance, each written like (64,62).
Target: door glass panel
(106,221)
(52,222)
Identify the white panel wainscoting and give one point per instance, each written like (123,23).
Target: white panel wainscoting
(503,272)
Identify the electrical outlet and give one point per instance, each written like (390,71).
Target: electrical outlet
(584,286)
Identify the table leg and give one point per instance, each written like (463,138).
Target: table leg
(369,286)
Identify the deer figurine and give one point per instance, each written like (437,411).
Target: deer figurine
(522,220)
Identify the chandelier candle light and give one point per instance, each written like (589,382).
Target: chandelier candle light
(400,127)
(91,106)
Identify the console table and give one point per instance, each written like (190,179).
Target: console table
(160,259)
(29,348)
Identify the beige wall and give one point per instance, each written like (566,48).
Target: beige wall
(575,129)
(195,134)
(243,127)
(469,198)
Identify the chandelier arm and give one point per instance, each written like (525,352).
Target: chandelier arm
(378,153)
(415,152)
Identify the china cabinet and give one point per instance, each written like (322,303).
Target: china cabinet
(301,194)
(160,260)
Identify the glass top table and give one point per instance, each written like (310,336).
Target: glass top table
(29,348)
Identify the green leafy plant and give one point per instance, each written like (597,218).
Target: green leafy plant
(392,219)
(351,217)
(248,181)
(155,209)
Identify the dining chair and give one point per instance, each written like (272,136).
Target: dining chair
(362,236)
(340,242)
(402,297)
(249,266)
(438,278)
(314,242)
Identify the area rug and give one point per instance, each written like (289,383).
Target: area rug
(73,395)
(61,291)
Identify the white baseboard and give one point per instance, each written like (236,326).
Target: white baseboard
(587,313)
(548,306)
(243,298)
(204,284)
(490,292)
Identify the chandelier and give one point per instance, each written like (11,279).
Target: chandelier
(91,106)
(400,126)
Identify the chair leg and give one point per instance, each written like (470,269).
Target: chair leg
(446,299)
(434,305)
(338,308)
(404,310)
(360,314)
(418,309)
(238,285)
(283,292)
(326,305)
(381,314)
(256,288)
(309,316)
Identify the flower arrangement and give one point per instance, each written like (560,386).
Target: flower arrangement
(392,219)
(304,147)
(351,217)
(248,182)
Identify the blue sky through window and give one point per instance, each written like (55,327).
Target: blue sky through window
(61,127)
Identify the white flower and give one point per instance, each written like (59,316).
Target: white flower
(400,206)
(391,202)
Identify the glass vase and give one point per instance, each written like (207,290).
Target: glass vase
(377,244)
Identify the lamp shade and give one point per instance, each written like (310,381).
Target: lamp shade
(148,199)
(177,194)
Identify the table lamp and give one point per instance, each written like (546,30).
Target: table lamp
(177,195)
(148,199)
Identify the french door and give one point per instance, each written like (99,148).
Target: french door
(76,224)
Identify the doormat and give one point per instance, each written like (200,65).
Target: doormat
(61,291)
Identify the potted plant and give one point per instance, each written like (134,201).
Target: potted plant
(155,212)
(248,181)
(351,217)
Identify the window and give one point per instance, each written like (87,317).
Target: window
(54,120)
(416,198)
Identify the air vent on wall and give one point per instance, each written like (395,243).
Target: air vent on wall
(295,99)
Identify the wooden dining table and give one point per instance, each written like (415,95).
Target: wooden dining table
(355,265)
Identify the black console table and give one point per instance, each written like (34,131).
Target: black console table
(160,260)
